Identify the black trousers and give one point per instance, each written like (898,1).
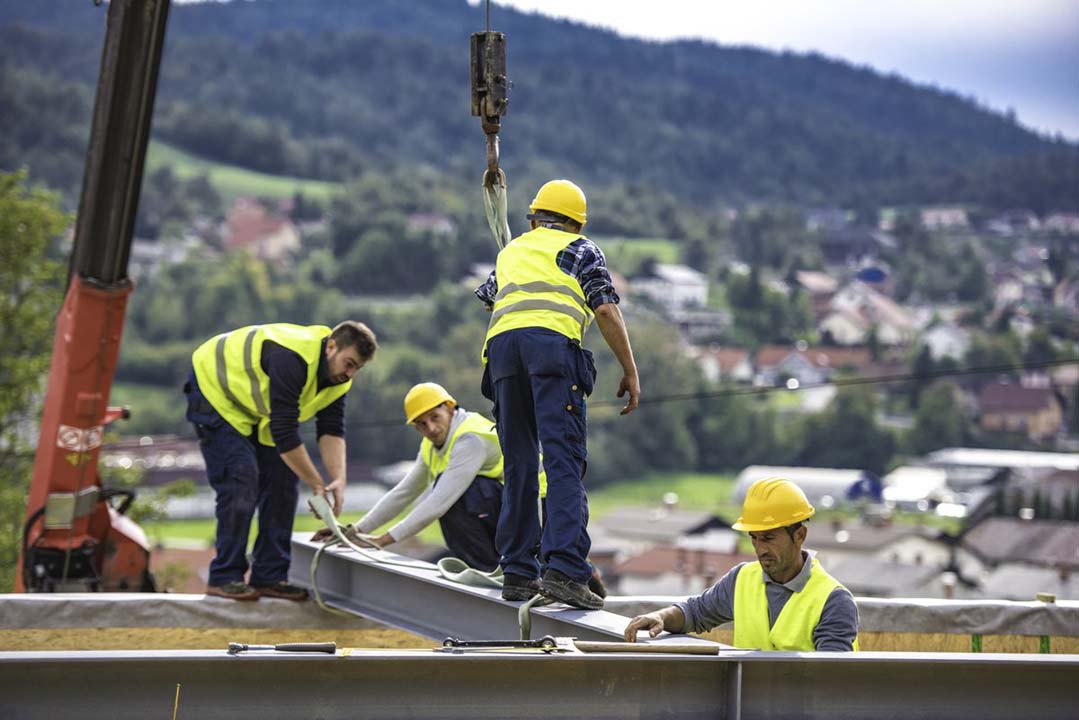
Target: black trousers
(469,526)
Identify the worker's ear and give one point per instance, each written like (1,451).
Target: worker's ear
(800,535)
(331,347)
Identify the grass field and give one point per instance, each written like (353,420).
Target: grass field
(698,491)
(627,255)
(231,181)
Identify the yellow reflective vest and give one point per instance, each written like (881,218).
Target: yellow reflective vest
(794,627)
(534,292)
(474,424)
(229,371)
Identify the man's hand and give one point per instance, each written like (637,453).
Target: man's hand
(630,384)
(380,541)
(323,535)
(336,490)
(652,622)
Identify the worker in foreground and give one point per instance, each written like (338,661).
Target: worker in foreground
(783,601)
(547,286)
(248,391)
(458,470)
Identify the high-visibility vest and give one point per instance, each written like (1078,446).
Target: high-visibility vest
(473,424)
(534,292)
(793,629)
(229,371)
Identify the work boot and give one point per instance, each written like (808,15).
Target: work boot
(518,588)
(233,591)
(560,587)
(596,585)
(283,591)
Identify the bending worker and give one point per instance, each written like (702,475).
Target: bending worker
(783,601)
(459,467)
(547,286)
(248,391)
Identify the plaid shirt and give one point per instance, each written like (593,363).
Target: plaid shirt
(583,260)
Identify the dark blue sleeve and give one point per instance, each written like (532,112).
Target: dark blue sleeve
(330,420)
(288,375)
(838,626)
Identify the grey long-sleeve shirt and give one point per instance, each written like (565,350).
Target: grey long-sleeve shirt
(471,454)
(838,626)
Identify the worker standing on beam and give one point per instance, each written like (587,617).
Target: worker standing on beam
(783,601)
(547,286)
(248,391)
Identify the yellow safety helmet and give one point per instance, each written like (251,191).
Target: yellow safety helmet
(424,397)
(773,503)
(562,197)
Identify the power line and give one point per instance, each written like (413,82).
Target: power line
(840,382)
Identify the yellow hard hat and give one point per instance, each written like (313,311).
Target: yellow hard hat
(773,503)
(562,197)
(424,397)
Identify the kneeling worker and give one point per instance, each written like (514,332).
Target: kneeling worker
(459,466)
(784,601)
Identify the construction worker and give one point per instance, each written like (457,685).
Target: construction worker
(783,601)
(458,470)
(248,391)
(547,286)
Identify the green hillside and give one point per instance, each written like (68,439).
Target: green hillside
(231,181)
(335,89)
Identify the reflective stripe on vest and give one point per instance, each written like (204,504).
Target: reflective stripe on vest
(230,375)
(534,291)
(793,629)
(474,424)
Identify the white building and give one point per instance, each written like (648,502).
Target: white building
(673,286)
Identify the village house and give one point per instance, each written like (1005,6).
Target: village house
(775,364)
(720,364)
(673,287)
(946,340)
(857,309)
(944,218)
(1033,411)
(825,487)
(268,236)
(672,570)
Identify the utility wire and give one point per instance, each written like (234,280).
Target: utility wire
(840,382)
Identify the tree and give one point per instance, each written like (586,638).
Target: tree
(846,435)
(921,370)
(30,295)
(939,420)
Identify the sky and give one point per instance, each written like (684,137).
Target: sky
(1021,55)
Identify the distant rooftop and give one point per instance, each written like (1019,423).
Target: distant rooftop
(980,457)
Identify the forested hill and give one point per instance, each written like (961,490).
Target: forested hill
(335,88)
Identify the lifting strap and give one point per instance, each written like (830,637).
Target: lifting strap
(489,89)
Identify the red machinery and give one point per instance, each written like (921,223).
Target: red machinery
(73,538)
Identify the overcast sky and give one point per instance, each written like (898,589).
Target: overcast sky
(1019,54)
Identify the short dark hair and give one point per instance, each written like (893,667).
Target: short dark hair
(352,333)
(549,216)
(791,529)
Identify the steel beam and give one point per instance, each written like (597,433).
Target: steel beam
(420,601)
(125,685)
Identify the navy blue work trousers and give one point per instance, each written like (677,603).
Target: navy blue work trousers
(469,526)
(245,476)
(538,380)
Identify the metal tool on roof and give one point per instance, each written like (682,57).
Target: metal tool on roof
(329,648)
